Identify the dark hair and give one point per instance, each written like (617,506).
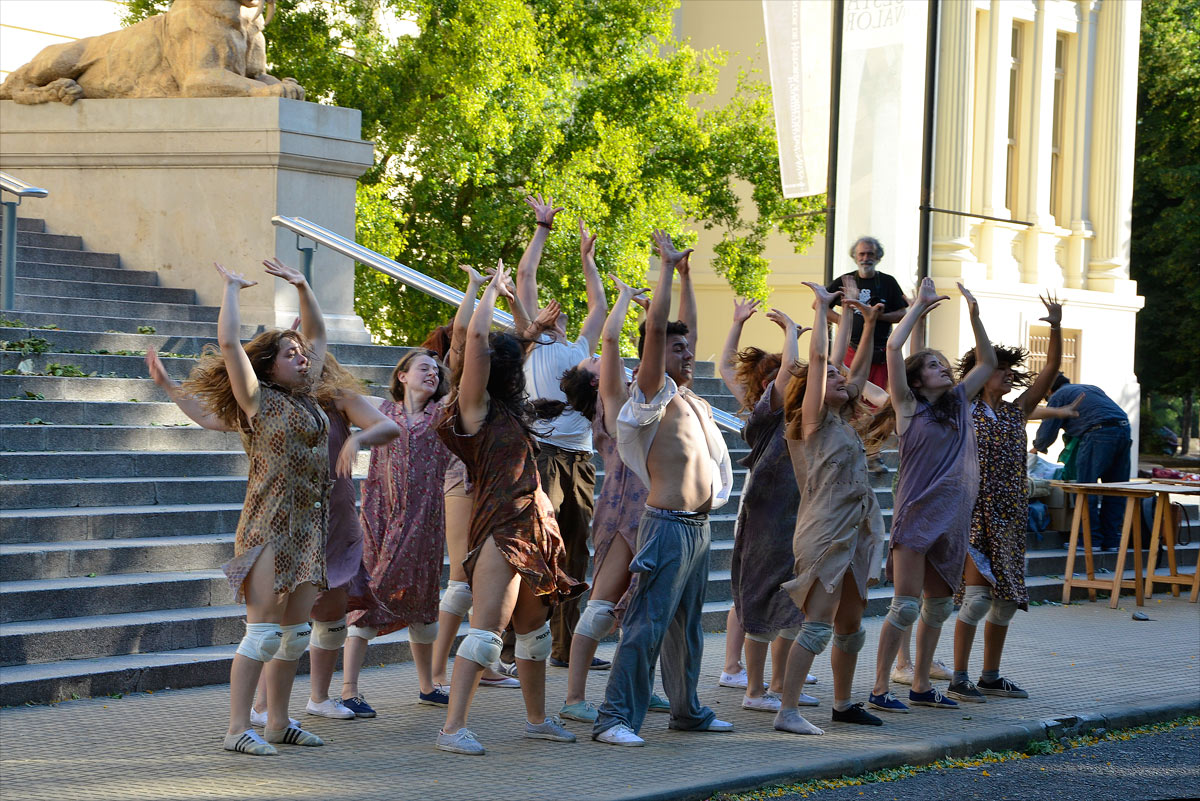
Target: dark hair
(396,387)
(1059,382)
(506,378)
(438,341)
(581,388)
(943,411)
(1012,358)
(674,328)
(209,379)
(755,367)
(870,240)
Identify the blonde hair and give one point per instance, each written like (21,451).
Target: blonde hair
(209,379)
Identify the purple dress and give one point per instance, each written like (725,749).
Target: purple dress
(343,549)
(939,480)
(762,546)
(622,496)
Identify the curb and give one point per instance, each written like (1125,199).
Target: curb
(1000,737)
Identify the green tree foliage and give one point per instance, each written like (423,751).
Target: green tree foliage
(1165,257)
(593,102)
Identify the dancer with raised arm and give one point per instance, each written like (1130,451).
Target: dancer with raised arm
(264,390)
(939,481)
(515,564)
(762,549)
(993,584)
(666,435)
(839,529)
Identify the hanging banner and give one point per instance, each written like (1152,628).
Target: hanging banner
(798,53)
(880,132)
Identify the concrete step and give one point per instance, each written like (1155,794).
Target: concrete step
(91,388)
(80,288)
(117,324)
(134,313)
(69,412)
(47,560)
(47,599)
(116,522)
(17,438)
(86,258)
(75,272)
(33,225)
(121,464)
(44,240)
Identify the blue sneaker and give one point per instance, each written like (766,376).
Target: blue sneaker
(658,704)
(439,697)
(931,697)
(886,703)
(359,706)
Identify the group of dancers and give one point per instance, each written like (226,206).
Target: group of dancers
(464,457)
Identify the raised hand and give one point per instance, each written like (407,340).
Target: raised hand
(547,316)
(780,319)
(1053,310)
(744,309)
(280,270)
(849,288)
(234,279)
(587,243)
(670,255)
(869,313)
(543,209)
(972,304)
(502,280)
(158,371)
(927,293)
(643,300)
(624,288)
(474,277)
(824,296)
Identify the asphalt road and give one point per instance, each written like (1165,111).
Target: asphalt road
(1153,766)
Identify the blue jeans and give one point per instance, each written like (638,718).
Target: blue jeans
(1103,455)
(664,613)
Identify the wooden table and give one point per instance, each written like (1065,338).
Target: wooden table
(1133,492)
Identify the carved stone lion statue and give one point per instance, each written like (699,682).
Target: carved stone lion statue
(198,48)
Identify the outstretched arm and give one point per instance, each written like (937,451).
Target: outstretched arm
(597,302)
(458,333)
(818,360)
(375,428)
(477,363)
(860,368)
(242,380)
(652,372)
(613,390)
(743,310)
(1031,397)
(688,313)
(789,355)
(528,265)
(188,404)
(312,322)
(985,354)
(902,398)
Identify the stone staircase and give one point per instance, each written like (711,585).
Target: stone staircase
(116,512)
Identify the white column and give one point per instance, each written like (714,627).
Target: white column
(952,160)
(1039,243)
(1114,123)
(1078,184)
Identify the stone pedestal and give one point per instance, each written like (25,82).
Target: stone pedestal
(173,185)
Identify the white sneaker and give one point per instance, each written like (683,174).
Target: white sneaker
(904,676)
(259,719)
(717,725)
(810,679)
(619,735)
(764,703)
(938,670)
(808,700)
(735,680)
(329,708)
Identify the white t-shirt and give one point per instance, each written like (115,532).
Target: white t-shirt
(543,369)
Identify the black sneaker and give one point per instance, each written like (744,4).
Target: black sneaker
(856,714)
(1001,687)
(965,691)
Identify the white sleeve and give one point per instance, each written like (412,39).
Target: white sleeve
(638,412)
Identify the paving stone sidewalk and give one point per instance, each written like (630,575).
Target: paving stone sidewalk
(1084,661)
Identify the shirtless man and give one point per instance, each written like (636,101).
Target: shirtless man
(667,436)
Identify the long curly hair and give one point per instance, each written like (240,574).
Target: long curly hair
(943,411)
(1012,358)
(582,390)
(335,381)
(754,367)
(403,366)
(209,379)
(438,341)
(855,410)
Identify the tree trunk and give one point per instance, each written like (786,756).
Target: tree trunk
(1186,435)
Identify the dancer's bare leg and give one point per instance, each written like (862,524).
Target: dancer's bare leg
(964,633)
(262,606)
(734,638)
(354,654)
(848,620)
(458,526)
(281,673)
(756,662)
(779,656)
(927,636)
(607,585)
(330,606)
(908,569)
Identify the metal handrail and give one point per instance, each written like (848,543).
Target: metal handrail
(8,262)
(411,278)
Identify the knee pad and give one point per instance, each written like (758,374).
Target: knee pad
(481,646)
(597,620)
(789,634)
(977,600)
(535,645)
(934,611)
(770,635)
(815,636)
(367,633)
(1002,612)
(850,643)
(261,641)
(423,633)
(903,612)
(294,641)
(457,598)
(328,635)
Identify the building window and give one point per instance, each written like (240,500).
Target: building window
(1056,131)
(1039,343)
(1014,119)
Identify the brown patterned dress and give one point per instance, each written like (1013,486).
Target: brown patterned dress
(510,506)
(1001,513)
(287,493)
